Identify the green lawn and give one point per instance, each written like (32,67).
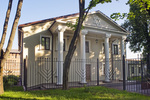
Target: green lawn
(85,93)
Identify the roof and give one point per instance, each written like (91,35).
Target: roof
(70,15)
(46,20)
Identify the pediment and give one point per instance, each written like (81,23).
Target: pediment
(99,21)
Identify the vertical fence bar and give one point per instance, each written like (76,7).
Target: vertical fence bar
(25,73)
(97,72)
(124,80)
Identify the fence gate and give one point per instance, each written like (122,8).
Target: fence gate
(138,77)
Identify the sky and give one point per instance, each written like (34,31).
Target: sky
(35,10)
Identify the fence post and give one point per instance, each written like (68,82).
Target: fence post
(97,72)
(124,80)
(141,70)
(148,63)
(25,73)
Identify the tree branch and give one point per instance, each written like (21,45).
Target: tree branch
(6,24)
(13,30)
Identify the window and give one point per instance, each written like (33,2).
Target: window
(103,68)
(87,46)
(103,48)
(45,42)
(132,70)
(15,55)
(64,45)
(115,47)
(139,69)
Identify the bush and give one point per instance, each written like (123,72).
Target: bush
(10,80)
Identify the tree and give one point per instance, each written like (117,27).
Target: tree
(82,15)
(138,27)
(11,38)
(138,24)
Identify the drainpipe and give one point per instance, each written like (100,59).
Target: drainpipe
(20,45)
(52,48)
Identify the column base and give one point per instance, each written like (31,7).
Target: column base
(59,84)
(82,82)
(108,81)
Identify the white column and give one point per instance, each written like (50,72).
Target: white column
(122,53)
(107,79)
(60,31)
(83,56)
(122,45)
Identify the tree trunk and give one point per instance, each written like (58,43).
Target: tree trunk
(1,76)
(9,46)
(82,15)
(73,45)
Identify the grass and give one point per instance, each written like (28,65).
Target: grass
(85,93)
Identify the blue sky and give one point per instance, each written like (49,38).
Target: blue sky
(34,10)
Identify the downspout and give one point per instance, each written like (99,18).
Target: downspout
(20,47)
(52,48)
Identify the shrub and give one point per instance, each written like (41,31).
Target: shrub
(10,80)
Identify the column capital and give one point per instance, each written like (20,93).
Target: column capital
(61,28)
(107,35)
(123,37)
(84,32)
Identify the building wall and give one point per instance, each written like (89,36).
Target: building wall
(36,68)
(12,64)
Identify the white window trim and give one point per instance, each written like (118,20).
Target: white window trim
(66,48)
(49,43)
(89,46)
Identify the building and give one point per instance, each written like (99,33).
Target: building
(12,64)
(101,38)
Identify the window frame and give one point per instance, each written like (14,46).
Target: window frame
(114,49)
(50,41)
(103,47)
(139,69)
(132,69)
(89,46)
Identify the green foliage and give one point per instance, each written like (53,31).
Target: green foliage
(93,3)
(137,78)
(74,26)
(86,89)
(10,80)
(117,16)
(95,93)
(137,24)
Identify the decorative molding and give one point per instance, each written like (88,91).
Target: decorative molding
(61,28)
(97,21)
(123,37)
(107,35)
(84,32)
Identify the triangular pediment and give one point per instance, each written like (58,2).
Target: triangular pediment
(99,21)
